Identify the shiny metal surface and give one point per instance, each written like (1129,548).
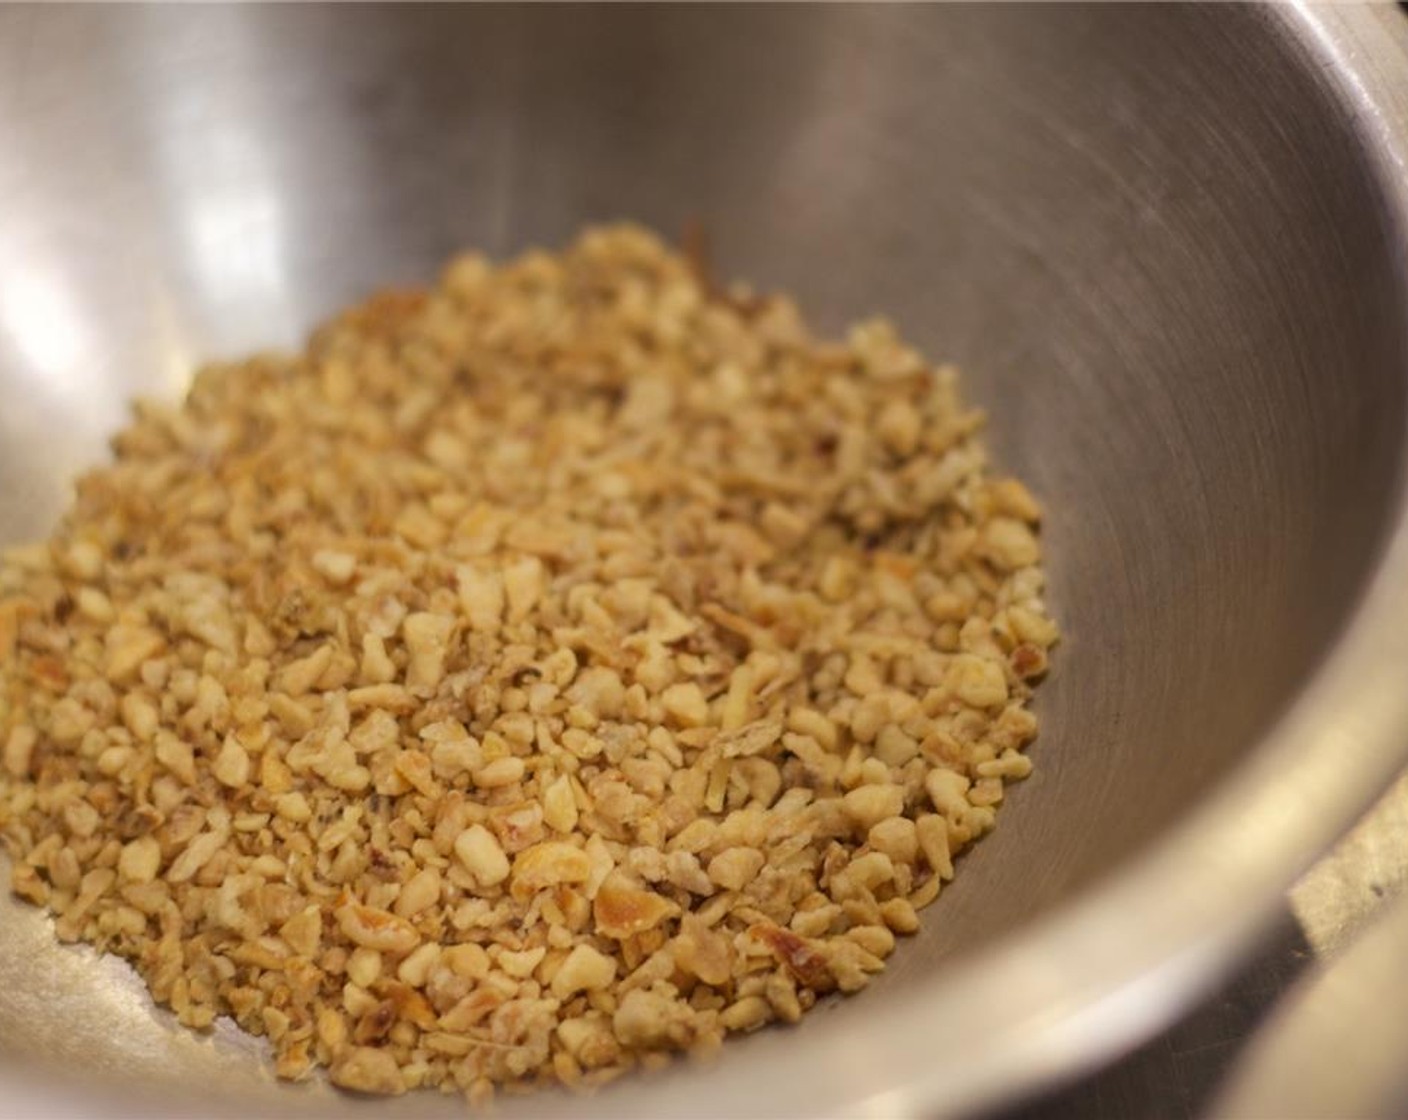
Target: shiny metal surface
(1168,243)
(1181,1072)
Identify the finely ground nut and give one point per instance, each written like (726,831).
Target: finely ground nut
(542,672)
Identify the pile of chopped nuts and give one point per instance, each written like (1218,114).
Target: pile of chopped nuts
(564,666)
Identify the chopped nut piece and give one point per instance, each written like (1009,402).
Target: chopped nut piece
(482,856)
(336,567)
(622,911)
(685,703)
(366,1069)
(584,970)
(869,805)
(427,637)
(734,868)
(376,929)
(19,749)
(548,864)
(232,764)
(140,860)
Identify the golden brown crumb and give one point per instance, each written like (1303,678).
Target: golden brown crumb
(555,668)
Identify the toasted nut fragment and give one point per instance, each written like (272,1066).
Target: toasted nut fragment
(685,704)
(1032,627)
(523,585)
(622,910)
(871,870)
(734,868)
(140,715)
(478,849)
(127,648)
(303,931)
(428,638)
(590,1041)
(806,721)
(1012,498)
(932,833)
(376,929)
(415,969)
(979,683)
(1009,544)
(140,860)
(19,749)
(336,567)
(584,970)
(876,940)
(747,1014)
(421,890)
(869,805)
(560,805)
(499,773)
(804,960)
(899,915)
(546,865)
(651,1020)
(367,1069)
(195,856)
(896,837)
(364,968)
(948,790)
(703,952)
(232,764)
(481,598)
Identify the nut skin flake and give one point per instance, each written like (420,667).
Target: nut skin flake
(539,674)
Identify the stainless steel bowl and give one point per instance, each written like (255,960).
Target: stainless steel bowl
(1167,243)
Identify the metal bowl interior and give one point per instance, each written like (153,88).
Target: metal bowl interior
(1162,242)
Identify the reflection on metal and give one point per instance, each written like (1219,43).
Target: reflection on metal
(38,314)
